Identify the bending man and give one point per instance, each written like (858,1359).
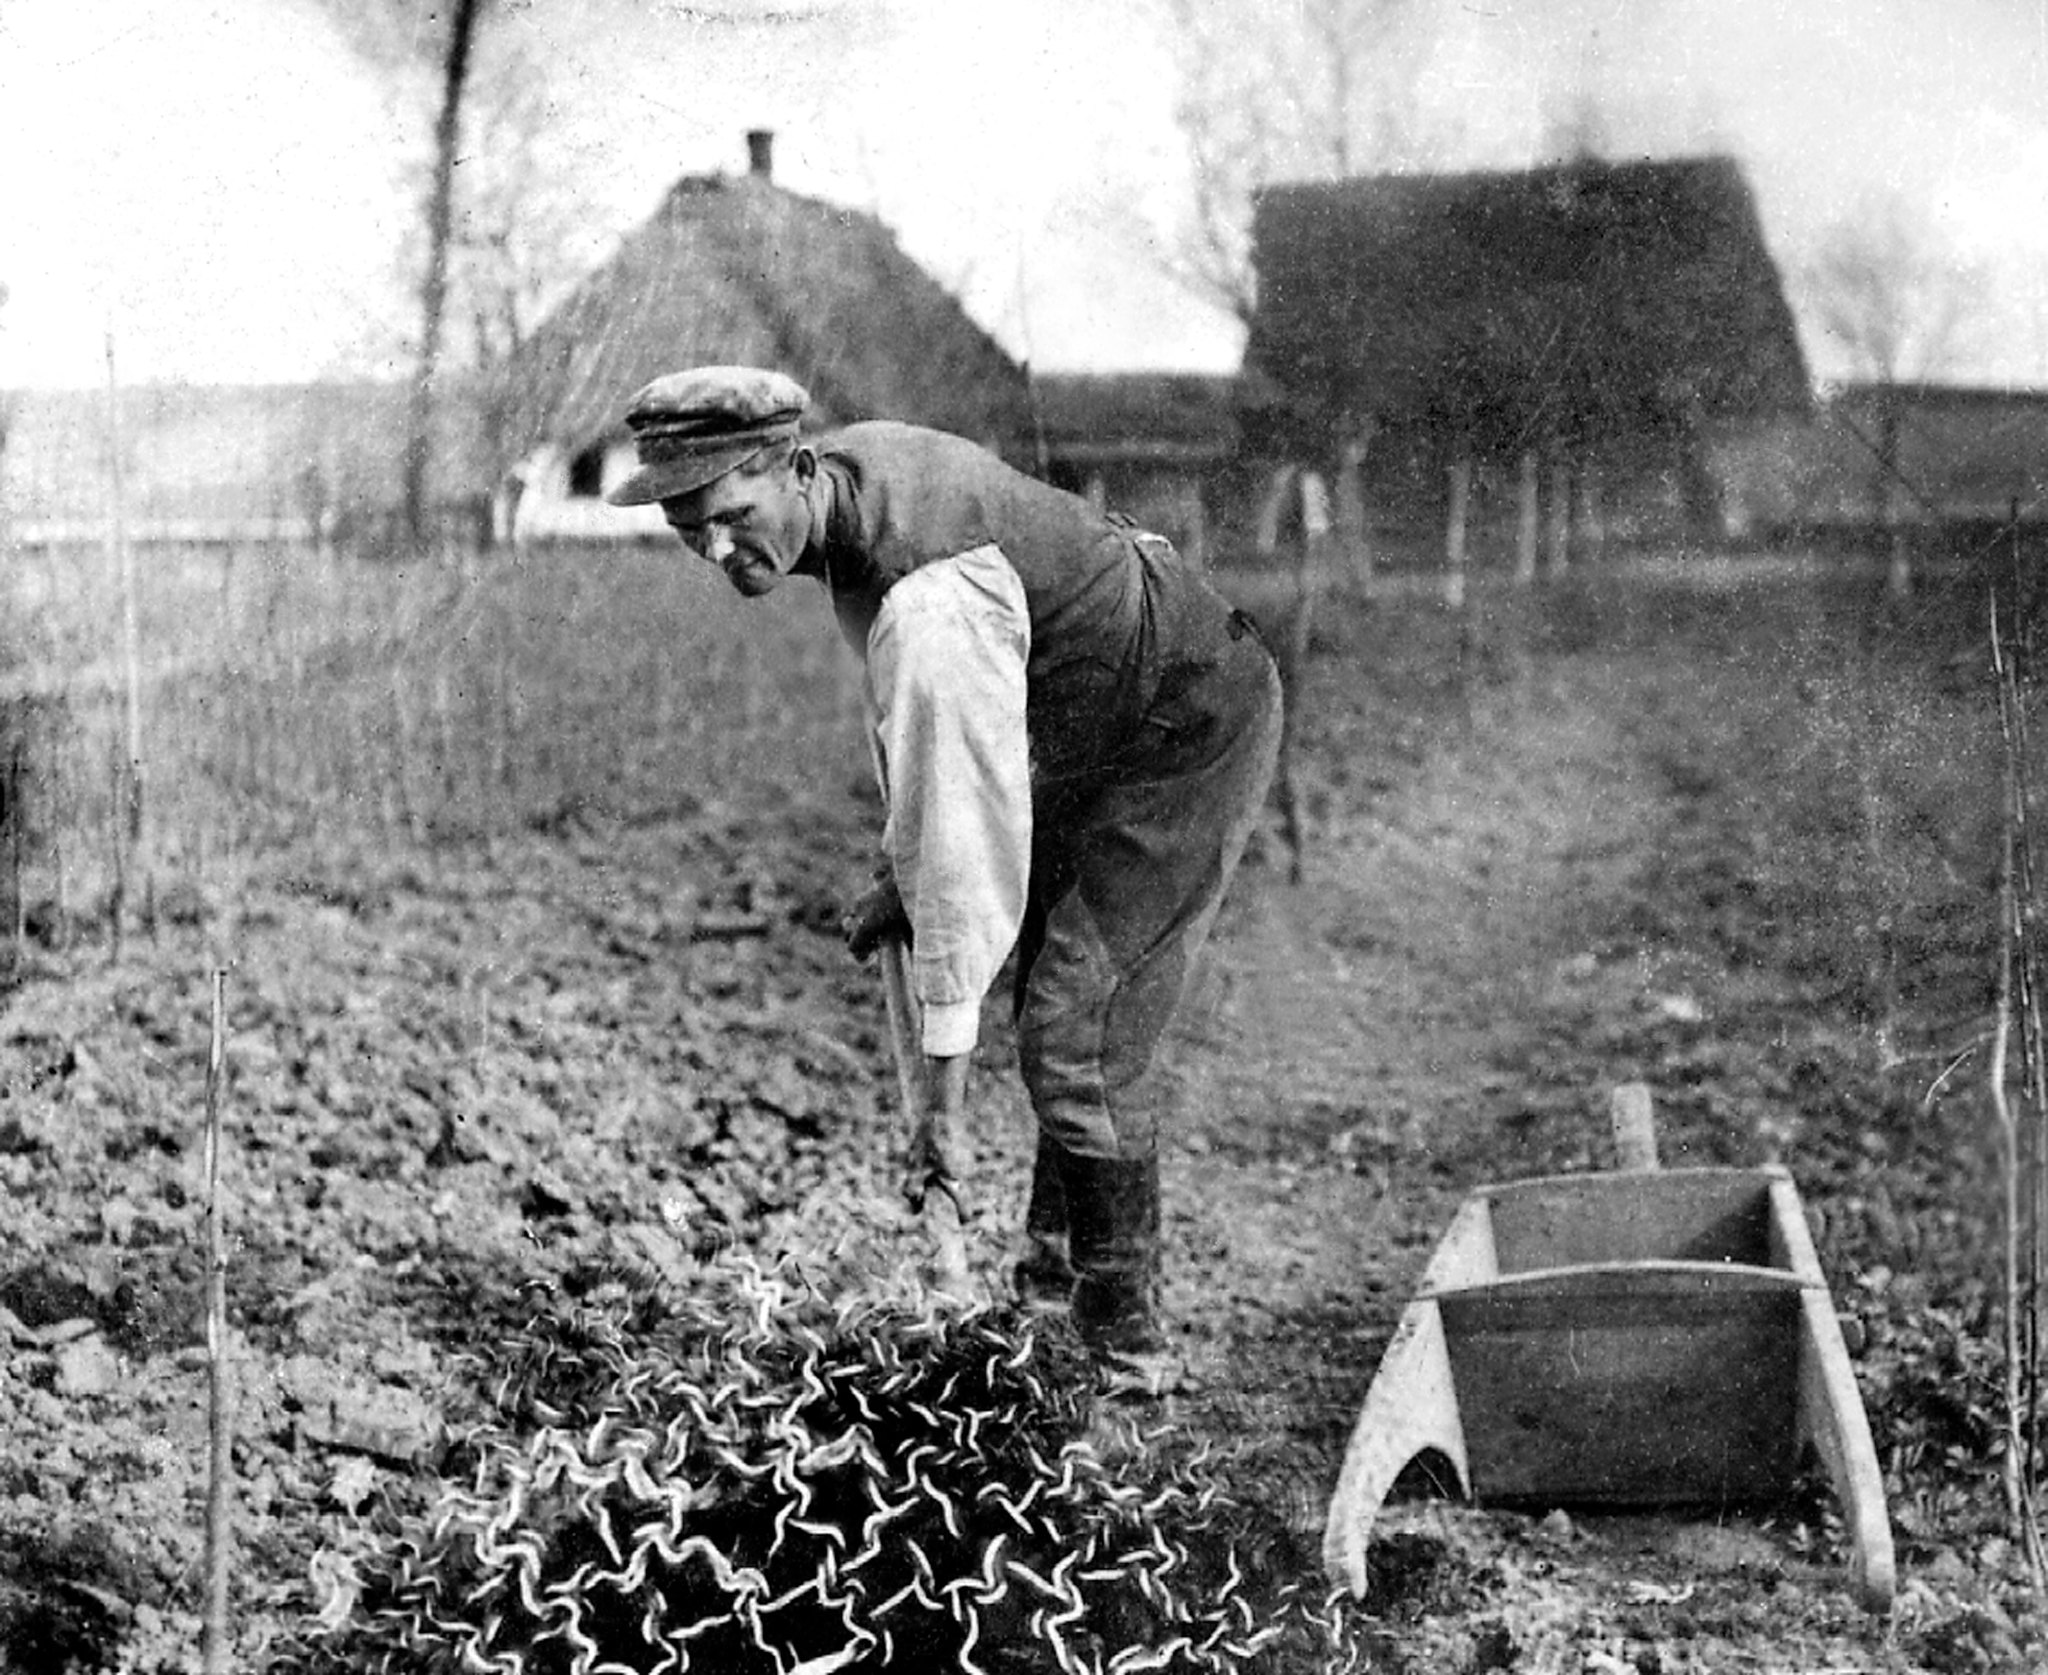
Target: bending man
(1074,735)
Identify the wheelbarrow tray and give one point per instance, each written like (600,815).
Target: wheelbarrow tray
(1642,1338)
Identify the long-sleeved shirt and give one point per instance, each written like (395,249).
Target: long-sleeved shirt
(946,662)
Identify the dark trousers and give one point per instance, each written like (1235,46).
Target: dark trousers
(1124,890)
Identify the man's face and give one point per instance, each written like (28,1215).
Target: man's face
(752,525)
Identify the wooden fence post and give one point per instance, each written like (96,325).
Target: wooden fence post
(1313,554)
(1527,517)
(1592,510)
(1455,525)
(1560,511)
(1272,504)
(1354,520)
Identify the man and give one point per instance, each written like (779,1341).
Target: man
(1074,735)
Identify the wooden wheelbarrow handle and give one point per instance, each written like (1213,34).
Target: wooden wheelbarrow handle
(931,1185)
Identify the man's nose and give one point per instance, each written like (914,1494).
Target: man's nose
(717,543)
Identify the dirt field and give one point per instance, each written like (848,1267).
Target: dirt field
(1731,840)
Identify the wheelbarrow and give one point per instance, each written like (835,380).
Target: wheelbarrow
(1629,1339)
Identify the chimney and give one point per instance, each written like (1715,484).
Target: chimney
(761,153)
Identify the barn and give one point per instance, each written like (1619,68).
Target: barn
(1157,445)
(738,269)
(1960,456)
(1572,330)
(227,465)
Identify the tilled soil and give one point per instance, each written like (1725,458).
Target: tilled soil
(1679,838)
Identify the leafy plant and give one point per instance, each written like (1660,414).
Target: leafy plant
(757,1478)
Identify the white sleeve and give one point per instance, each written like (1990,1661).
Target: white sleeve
(945,687)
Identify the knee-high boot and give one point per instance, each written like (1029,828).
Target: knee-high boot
(1113,1228)
(1044,1275)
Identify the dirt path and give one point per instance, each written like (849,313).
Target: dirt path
(1351,1048)
(1450,997)
(1382,990)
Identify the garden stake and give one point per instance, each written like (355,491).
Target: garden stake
(220,1404)
(17,847)
(2018,1004)
(117,906)
(133,809)
(61,929)
(932,1185)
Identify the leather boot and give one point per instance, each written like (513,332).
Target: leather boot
(1113,1227)
(1044,1275)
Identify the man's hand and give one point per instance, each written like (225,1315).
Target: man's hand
(876,913)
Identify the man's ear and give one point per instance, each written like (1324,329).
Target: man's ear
(804,462)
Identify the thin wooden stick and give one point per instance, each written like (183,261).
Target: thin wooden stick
(135,812)
(2034,1066)
(220,1405)
(1315,530)
(17,854)
(1457,522)
(2034,1109)
(934,1179)
(117,908)
(60,868)
(2015,987)
(2001,1103)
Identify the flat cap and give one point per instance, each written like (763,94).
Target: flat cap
(691,428)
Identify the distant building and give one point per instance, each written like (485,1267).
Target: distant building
(1965,456)
(737,269)
(1596,316)
(213,465)
(1157,446)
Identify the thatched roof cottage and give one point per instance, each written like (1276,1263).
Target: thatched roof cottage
(737,269)
(1601,311)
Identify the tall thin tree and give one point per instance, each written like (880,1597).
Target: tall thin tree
(434,282)
(1314,90)
(1894,299)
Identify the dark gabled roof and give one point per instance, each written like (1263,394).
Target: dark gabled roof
(1165,416)
(1590,298)
(735,269)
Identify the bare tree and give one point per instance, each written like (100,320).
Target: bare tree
(1886,289)
(392,36)
(419,432)
(514,236)
(1311,91)
(521,235)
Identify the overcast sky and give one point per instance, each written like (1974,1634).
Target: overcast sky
(218,178)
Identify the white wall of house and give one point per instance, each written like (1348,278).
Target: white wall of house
(548,511)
